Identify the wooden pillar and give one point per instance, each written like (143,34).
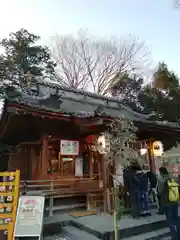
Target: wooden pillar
(22,163)
(90,163)
(104,176)
(151,156)
(99,169)
(44,156)
(28,163)
(40,161)
(34,169)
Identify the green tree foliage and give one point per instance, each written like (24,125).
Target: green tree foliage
(22,60)
(127,89)
(164,78)
(160,99)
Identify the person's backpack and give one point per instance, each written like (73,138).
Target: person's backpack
(173,191)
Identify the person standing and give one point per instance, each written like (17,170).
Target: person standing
(159,196)
(126,178)
(168,189)
(134,188)
(153,182)
(142,175)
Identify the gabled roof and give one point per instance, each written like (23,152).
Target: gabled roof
(52,97)
(23,113)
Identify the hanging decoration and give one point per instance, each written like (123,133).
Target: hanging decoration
(143,151)
(157,148)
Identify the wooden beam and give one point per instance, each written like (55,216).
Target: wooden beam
(89,121)
(29,143)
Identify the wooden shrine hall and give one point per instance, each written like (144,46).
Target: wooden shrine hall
(51,132)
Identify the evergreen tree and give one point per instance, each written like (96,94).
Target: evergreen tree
(22,60)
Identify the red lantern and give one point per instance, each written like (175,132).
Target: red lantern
(90,139)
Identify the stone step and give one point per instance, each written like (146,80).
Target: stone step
(102,226)
(127,227)
(72,233)
(78,234)
(161,234)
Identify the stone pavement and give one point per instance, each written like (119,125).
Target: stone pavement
(97,226)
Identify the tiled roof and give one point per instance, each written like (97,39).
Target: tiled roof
(53,97)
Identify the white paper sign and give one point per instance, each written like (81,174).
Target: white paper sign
(29,216)
(79,167)
(69,147)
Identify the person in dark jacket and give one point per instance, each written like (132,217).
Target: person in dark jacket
(159,197)
(153,183)
(126,179)
(170,208)
(142,175)
(152,179)
(134,188)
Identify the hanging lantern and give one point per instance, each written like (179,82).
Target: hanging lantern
(157,148)
(90,139)
(102,141)
(101,144)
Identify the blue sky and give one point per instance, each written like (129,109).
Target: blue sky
(156,22)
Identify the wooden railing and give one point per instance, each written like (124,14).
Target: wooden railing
(60,188)
(43,187)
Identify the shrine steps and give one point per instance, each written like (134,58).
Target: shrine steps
(102,227)
(82,235)
(148,231)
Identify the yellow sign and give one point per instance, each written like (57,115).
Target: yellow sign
(9,193)
(157,148)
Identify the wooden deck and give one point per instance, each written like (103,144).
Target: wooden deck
(69,188)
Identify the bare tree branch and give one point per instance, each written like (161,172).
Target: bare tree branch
(86,62)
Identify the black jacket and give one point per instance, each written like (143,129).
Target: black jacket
(152,179)
(143,178)
(126,178)
(134,182)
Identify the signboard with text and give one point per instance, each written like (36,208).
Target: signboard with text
(29,218)
(9,193)
(69,147)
